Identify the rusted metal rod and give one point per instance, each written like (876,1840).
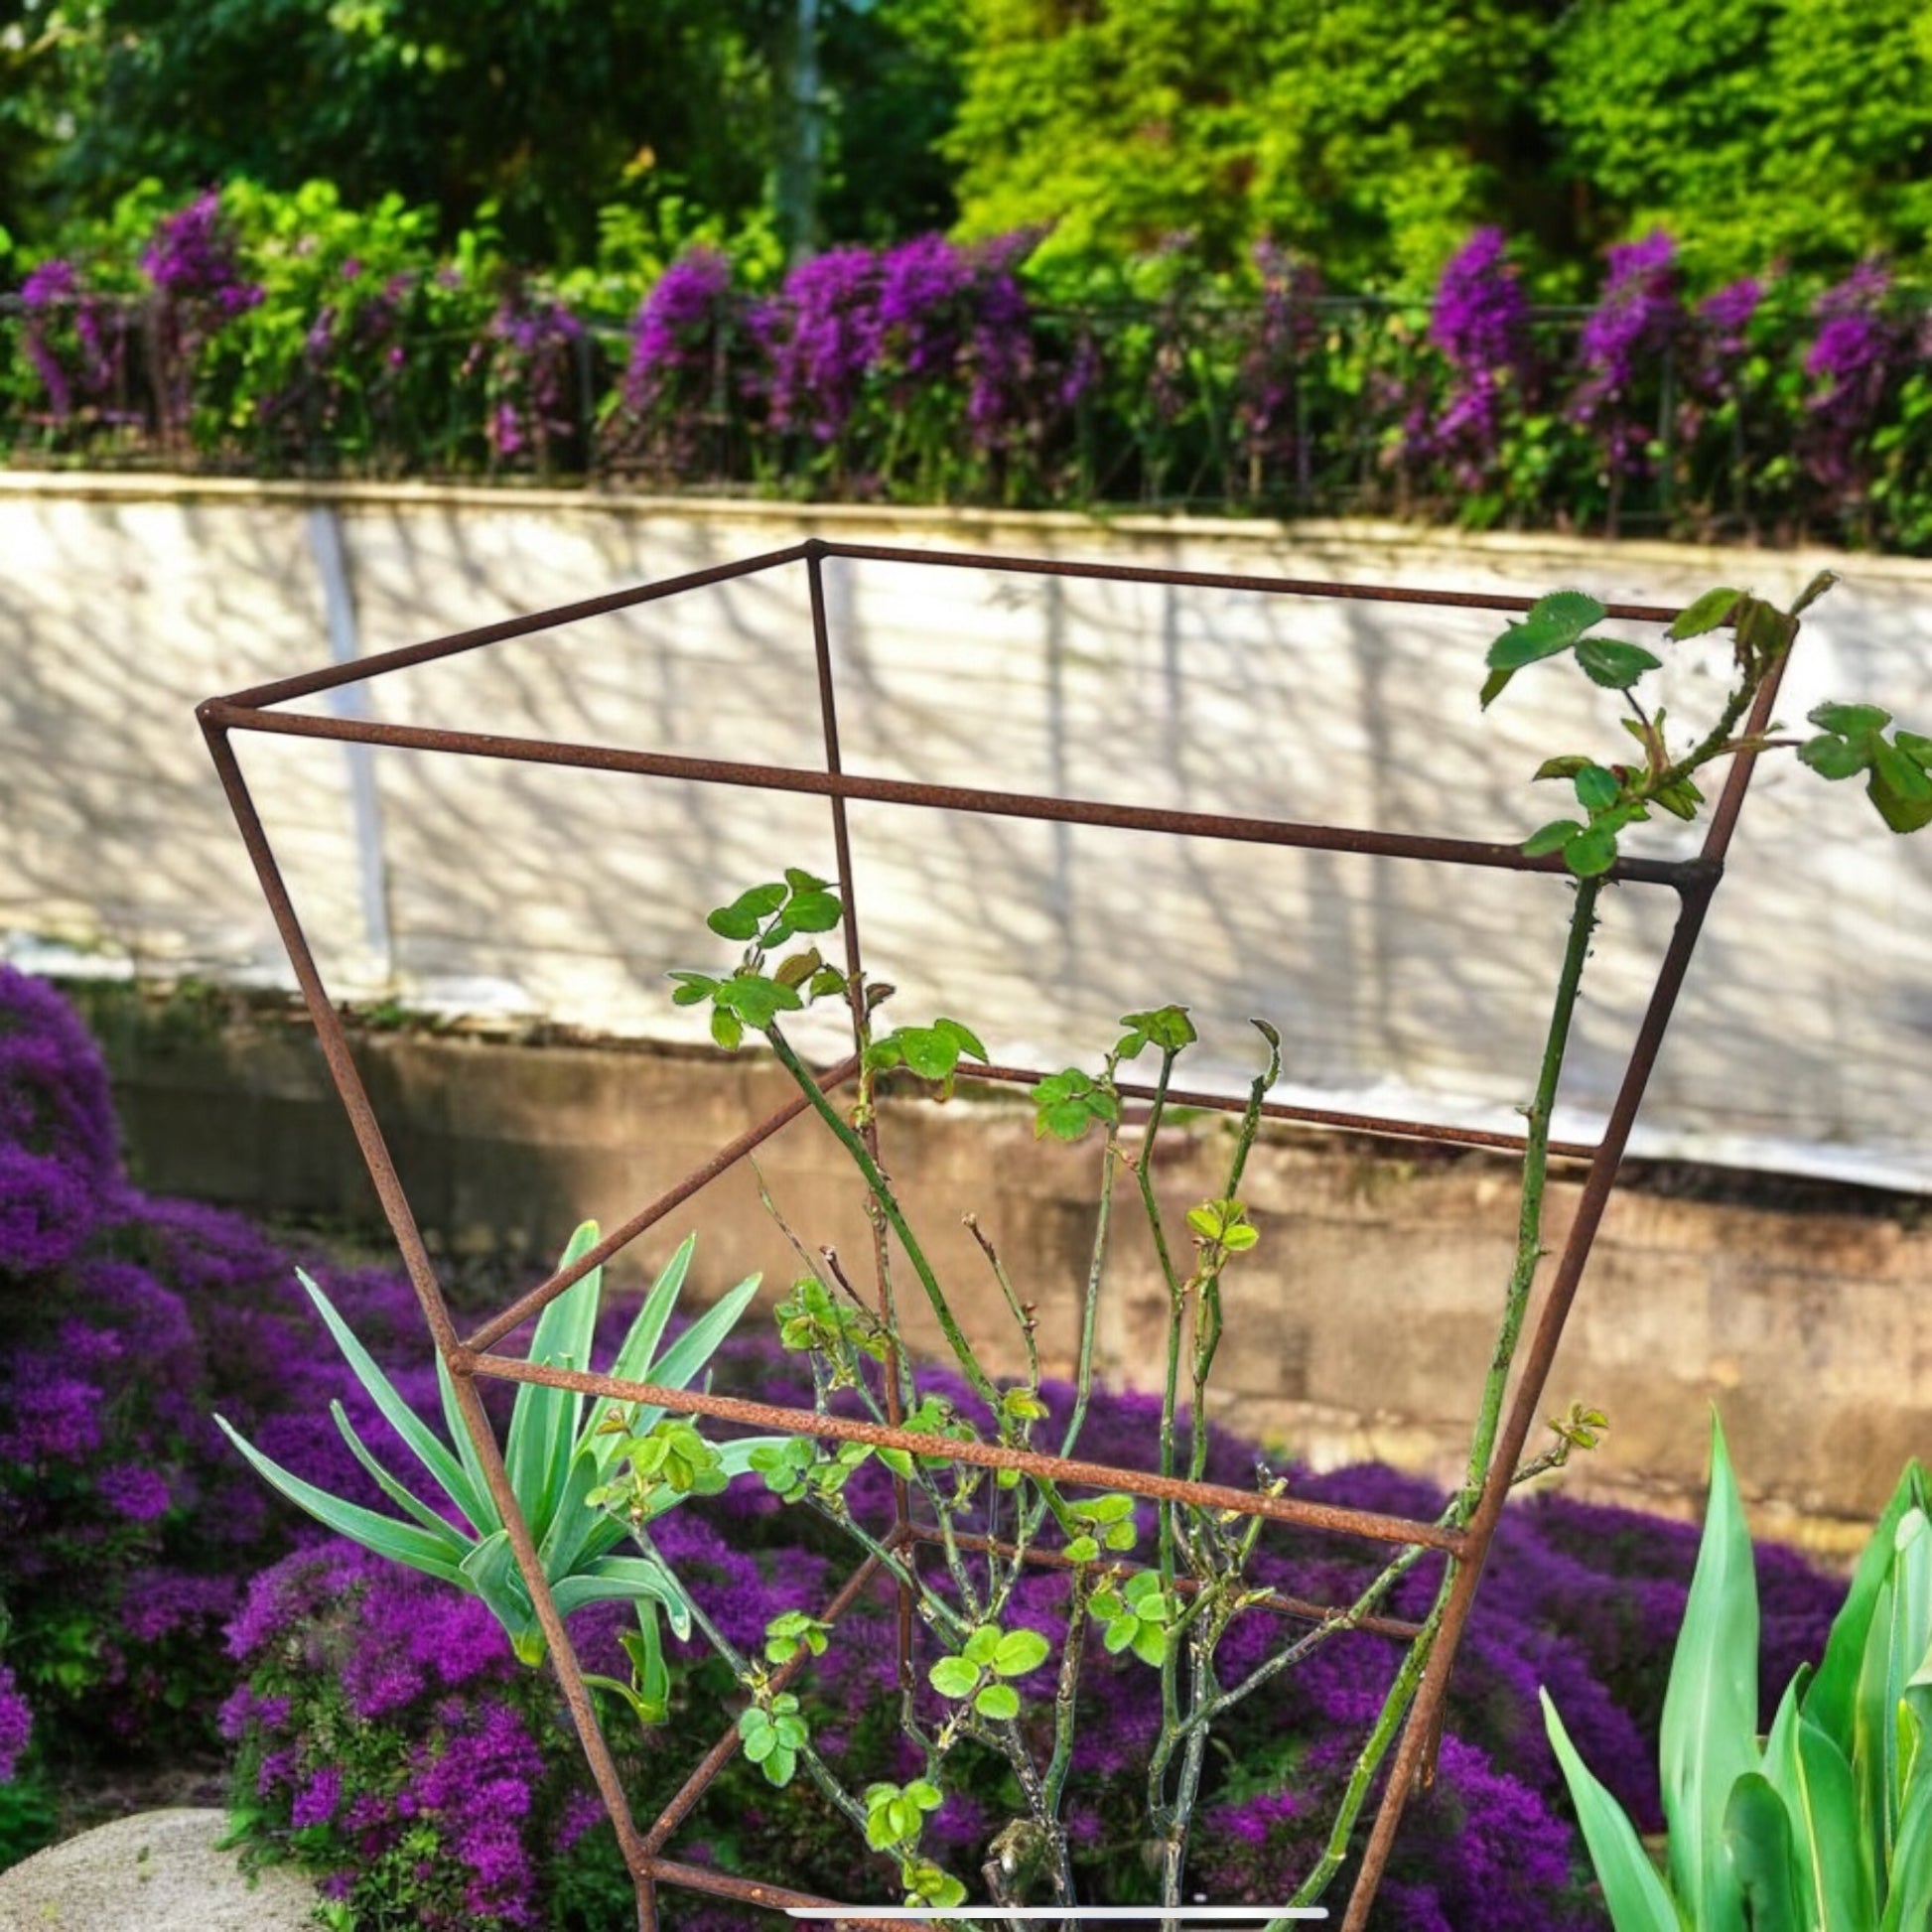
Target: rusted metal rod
(1369,1524)
(954,798)
(1693,879)
(728,1157)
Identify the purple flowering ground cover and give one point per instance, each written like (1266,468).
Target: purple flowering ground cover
(380,1731)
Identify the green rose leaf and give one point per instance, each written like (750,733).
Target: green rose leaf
(982,1646)
(742,919)
(1168,1027)
(1552,625)
(961,1036)
(999,1702)
(1084,1549)
(1021,1651)
(814,911)
(1834,757)
(929,1052)
(798,968)
(1597,788)
(1848,720)
(1551,837)
(1613,664)
(1591,852)
(1711,612)
(758,1001)
(953,1677)
(1901,788)
(692,987)
(726,1030)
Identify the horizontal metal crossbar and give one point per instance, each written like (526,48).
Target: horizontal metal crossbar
(1212,580)
(728,1157)
(222,714)
(1369,1524)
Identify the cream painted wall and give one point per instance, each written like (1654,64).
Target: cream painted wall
(1802,1041)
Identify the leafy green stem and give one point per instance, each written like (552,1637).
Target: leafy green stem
(1536,1166)
(882,1191)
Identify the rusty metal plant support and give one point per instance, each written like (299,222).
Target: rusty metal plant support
(469,1356)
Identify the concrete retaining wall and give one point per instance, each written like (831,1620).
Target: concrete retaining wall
(1360,1326)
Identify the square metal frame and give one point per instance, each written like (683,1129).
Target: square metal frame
(468,1356)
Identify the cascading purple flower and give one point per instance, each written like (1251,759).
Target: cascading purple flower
(1286,333)
(193,261)
(54,1096)
(1851,363)
(1480,322)
(673,338)
(1725,315)
(1716,345)
(820,337)
(529,356)
(47,1214)
(923,288)
(680,343)
(193,256)
(1634,326)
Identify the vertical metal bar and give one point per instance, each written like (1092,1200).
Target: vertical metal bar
(855,995)
(335,1042)
(1416,1749)
(429,1292)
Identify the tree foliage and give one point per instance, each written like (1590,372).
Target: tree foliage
(549,110)
(1371,136)
(1753,129)
(1375,134)
(1368,134)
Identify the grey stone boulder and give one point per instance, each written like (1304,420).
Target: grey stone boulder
(158,1871)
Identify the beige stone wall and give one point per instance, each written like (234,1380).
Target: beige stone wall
(1359,1327)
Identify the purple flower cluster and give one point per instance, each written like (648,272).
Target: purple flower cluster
(1850,364)
(676,332)
(384,1714)
(1634,326)
(528,356)
(924,321)
(125,1519)
(1285,335)
(193,261)
(77,343)
(194,258)
(680,349)
(820,338)
(1479,322)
